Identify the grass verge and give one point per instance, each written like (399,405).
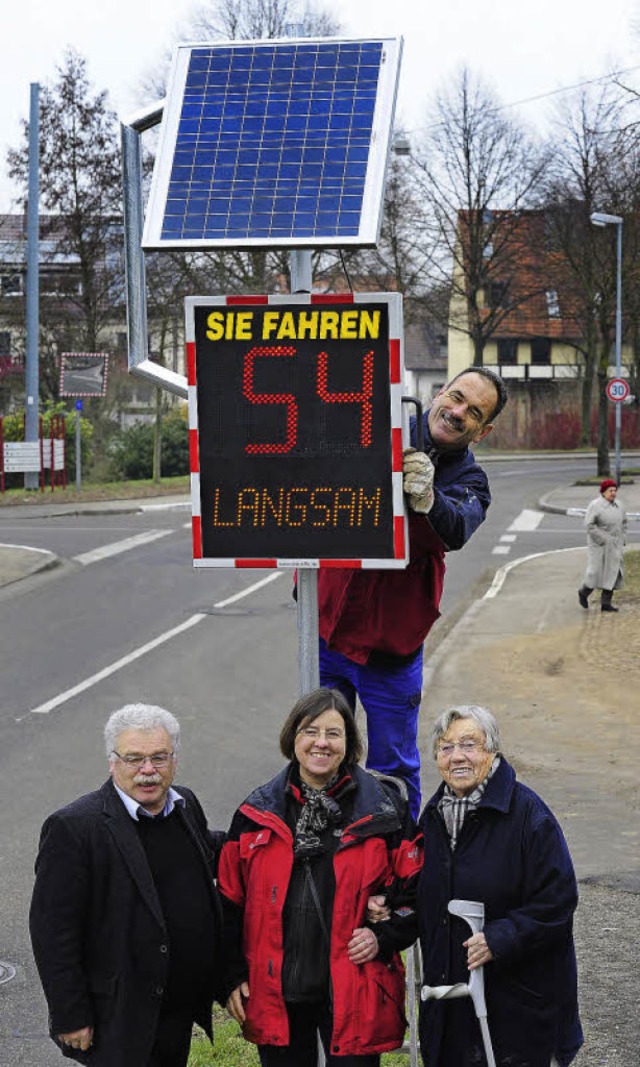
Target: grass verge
(231,1050)
(92,491)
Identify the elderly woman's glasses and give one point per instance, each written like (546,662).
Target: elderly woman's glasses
(159,759)
(447,748)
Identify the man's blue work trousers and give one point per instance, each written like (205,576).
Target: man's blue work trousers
(390,696)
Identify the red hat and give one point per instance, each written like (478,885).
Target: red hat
(608,483)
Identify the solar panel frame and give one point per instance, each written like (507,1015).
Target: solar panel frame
(280,158)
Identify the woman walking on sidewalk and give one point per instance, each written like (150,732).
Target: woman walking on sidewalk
(606,523)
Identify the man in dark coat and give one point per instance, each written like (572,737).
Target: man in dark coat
(125,918)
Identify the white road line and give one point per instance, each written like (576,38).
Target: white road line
(88,683)
(500,576)
(526,521)
(116,547)
(250,589)
(62,698)
(501,550)
(508,539)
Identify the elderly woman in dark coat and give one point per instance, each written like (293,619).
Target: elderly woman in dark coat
(606,524)
(488,838)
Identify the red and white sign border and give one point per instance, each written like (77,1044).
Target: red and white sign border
(66,357)
(618,381)
(396,368)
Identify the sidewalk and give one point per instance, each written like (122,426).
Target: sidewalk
(558,679)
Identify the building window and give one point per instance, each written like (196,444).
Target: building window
(507,351)
(11,284)
(58,283)
(541,351)
(553,304)
(498,295)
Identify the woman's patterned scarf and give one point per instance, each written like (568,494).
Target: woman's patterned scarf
(318,812)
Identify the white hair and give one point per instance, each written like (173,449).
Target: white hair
(481,716)
(140,717)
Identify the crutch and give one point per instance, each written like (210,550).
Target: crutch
(472,911)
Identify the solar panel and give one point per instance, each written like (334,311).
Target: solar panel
(274,143)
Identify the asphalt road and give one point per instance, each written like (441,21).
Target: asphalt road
(230,674)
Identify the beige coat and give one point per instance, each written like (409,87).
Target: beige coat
(606,524)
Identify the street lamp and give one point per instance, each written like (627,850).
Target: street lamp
(599,218)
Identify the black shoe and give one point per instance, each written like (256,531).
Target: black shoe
(582,597)
(607,607)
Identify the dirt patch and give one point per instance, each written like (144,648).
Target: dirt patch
(574,694)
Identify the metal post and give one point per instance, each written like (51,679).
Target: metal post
(300,269)
(308,654)
(602,218)
(134,257)
(32,372)
(78,446)
(618,407)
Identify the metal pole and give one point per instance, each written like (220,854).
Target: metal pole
(134,257)
(78,450)
(32,372)
(618,407)
(308,653)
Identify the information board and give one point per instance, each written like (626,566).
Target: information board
(296,430)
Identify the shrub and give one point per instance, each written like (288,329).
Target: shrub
(131,453)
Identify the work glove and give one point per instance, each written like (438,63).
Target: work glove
(418,471)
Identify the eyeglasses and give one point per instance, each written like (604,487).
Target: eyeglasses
(312,733)
(467,747)
(159,759)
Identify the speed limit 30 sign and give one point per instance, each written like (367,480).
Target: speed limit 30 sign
(617,389)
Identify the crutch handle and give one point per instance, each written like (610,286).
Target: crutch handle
(472,911)
(444,992)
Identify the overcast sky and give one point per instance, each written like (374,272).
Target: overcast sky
(522,50)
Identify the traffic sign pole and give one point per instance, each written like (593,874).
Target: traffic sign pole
(617,392)
(78,446)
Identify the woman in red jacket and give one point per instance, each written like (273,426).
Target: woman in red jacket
(303,855)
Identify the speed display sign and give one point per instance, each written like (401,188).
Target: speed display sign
(296,438)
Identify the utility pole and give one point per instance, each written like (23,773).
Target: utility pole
(32,370)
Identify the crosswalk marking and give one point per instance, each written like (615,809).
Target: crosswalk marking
(116,547)
(527,521)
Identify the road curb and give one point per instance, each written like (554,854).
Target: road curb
(39,560)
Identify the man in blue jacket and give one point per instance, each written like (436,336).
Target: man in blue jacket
(373,622)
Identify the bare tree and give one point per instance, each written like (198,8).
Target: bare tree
(256,20)
(81,189)
(478,171)
(586,176)
(401,259)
